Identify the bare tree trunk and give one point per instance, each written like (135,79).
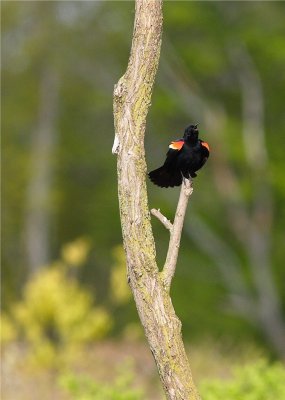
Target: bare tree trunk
(132,97)
(37,218)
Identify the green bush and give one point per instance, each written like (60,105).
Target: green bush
(83,387)
(257,381)
(57,315)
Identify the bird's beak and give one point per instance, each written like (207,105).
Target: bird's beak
(196,126)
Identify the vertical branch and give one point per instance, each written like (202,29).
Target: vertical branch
(132,96)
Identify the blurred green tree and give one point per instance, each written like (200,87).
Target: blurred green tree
(256,381)
(57,316)
(234,49)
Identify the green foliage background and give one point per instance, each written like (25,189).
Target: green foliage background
(87,44)
(256,381)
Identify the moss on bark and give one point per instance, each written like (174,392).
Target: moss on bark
(132,98)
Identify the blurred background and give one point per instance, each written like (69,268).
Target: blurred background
(68,318)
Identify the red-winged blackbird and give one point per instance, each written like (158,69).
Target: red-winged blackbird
(184,157)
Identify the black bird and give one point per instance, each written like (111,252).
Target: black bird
(184,157)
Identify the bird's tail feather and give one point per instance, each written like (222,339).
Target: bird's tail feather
(165,178)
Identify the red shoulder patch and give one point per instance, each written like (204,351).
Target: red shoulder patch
(205,144)
(177,145)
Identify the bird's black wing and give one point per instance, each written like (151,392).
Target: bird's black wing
(169,175)
(173,151)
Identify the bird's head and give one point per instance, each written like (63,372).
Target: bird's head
(191,133)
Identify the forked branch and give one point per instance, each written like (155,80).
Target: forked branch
(175,232)
(168,225)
